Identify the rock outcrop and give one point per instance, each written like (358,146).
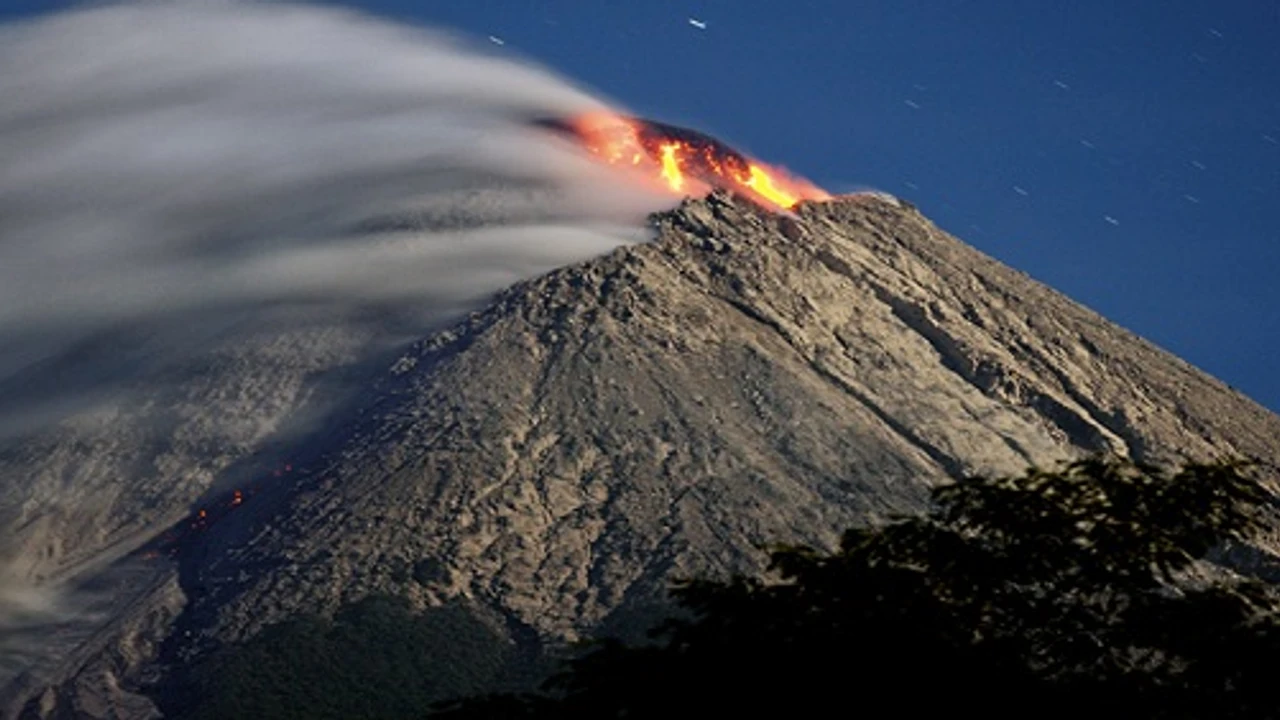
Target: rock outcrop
(747,378)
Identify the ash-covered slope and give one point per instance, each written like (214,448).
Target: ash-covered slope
(747,378)
(153,446)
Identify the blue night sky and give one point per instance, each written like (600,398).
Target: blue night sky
(1125,153)
(1018,126)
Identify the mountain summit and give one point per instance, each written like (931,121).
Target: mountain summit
(748,378)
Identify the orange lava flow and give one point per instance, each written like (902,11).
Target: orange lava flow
(761,182)
(671,166)
(684,161)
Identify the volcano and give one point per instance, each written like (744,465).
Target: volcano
(551,462)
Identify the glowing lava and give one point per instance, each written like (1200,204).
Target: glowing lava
(671,166)
(683,160)
(761,182)
(185,533)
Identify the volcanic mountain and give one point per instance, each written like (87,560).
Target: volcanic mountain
(552,461)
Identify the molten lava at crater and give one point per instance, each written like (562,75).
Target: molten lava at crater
(683,161)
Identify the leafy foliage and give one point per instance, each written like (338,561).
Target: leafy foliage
(375,659)
(1054,593)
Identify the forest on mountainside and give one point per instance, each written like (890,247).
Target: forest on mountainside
(1089,588)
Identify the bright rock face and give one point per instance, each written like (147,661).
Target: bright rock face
(747,378)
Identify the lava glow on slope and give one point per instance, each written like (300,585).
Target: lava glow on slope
(682,160)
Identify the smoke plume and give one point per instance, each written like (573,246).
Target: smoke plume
(173,172)
(164,159)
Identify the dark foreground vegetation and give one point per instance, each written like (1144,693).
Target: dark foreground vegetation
(1083,591)
(375,659)
(1070,593)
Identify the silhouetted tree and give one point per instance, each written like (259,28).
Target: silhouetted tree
(1055,593)
(375,659)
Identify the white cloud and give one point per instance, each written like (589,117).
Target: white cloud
(164,163)
(157,159)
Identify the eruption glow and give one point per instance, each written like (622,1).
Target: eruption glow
(671,171)
(685,161)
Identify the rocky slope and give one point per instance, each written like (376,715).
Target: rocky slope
(747,378)
(79,498)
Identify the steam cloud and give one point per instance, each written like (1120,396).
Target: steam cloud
(168,165)
(162,159)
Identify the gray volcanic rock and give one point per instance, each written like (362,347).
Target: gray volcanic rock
(746,379)
(79,497)
(140,458)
